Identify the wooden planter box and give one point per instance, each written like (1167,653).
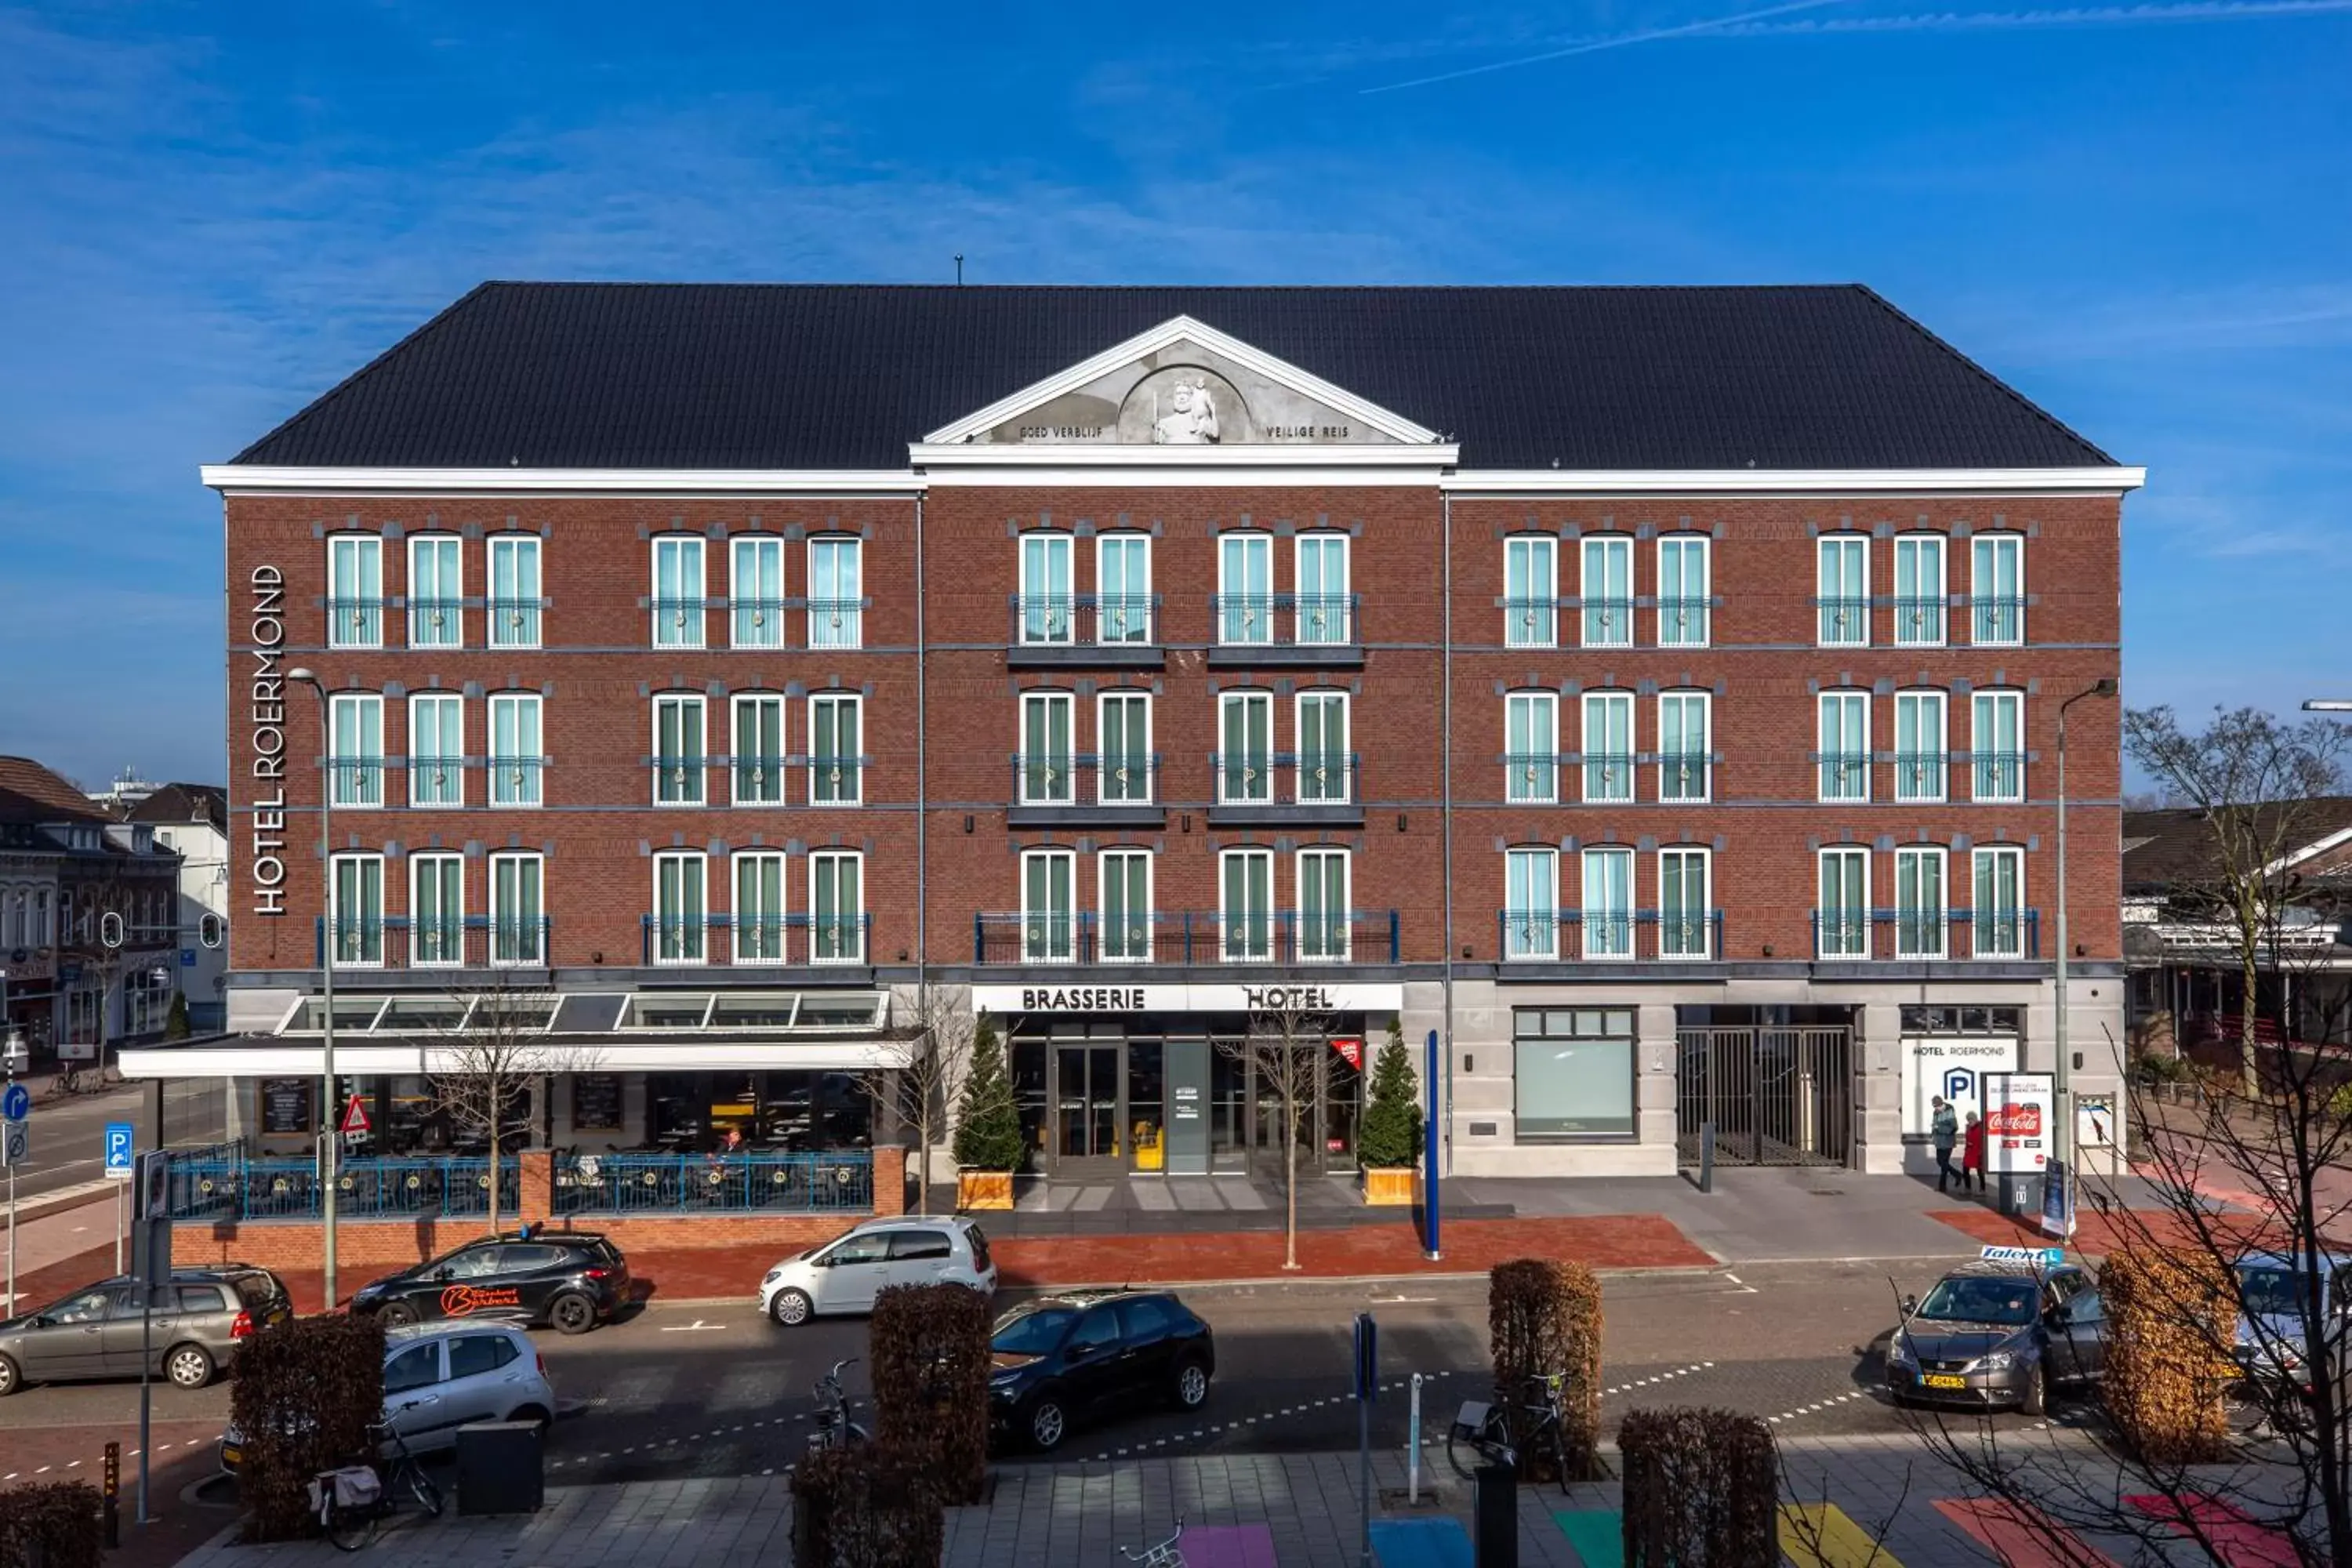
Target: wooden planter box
(983,1189)
(1391,1187)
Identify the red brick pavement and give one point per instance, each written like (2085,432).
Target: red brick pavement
(175,1528)
(2096,1234)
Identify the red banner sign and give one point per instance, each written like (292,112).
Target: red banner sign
(1351,1046)
(2014,1121)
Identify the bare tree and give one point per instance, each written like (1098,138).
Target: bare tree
(1284,1048)
(917,1096)
(484,1069)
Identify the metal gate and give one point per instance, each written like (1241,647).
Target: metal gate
(1776,1096)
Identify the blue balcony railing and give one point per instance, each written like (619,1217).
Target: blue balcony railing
(354,623)
(840,1182)
(1913,935)
(756,939)
(436,623)
(237,1186)
(1997,620)
(401,942)
(514,622)
(1285,778)
(1086,778)
(1280,936)
(1844,620)
(1085,620)
(1285,620)
(678,622)
(1530,622)
(1635,936)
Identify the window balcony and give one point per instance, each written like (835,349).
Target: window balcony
(1531,623)
(514,622)
(1685,777)
(1918,621)
(436,623)
(1285,631)
(1605,622)
(1319,788)
(1532,778)
(1843,775)
(833,781)
(1685,622)
(1919,777)
(354,623)
(837,622)
(678,623)
(517,781)
(1997,620)
(1106,631)
(1169,937)
(680,780)
(357,781)
(755,940)
(1844,620)
(1915,936)
(756,622)
(1607,777)
(1998,776)
(470,941)
(1086,789)
(1581,936)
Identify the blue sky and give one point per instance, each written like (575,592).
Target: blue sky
(2140,214)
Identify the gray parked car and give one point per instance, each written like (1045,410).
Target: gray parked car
(1998,1334)
(95,1333)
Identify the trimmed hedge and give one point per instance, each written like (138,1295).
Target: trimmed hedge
(305,1392)
(929,1349)
(1543,1315)
(2172,1323)
(1702,1489)
(869,1505)
(56,1524)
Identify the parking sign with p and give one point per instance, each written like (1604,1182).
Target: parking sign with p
(119,1146)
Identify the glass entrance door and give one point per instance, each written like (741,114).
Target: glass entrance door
(1086,1106)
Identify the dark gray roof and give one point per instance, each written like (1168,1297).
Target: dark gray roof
(727,376)
(183,803)
(2173,847)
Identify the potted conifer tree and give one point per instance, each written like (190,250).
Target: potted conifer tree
(1388,1139)
(987,1145)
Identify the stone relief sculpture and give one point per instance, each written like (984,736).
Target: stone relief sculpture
(1192,419)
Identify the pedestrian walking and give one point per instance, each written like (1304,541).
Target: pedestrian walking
(1945,1131)
(1972,1152)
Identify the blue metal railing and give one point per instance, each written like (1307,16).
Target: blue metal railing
(1090,778)
(691,1184)
(435,623)
(400,941)
(1286,778)
(1171,936)
(282,1186)
(1628,936)
(1085,620)
(1910,935)
(756,939)
(354,623)
(1285,620)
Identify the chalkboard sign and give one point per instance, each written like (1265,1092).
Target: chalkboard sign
(597,1102)
(286,1105)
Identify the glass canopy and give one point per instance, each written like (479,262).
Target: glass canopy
(599,1011)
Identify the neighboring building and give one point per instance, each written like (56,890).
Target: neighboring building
(64,866)
(193,820)
(127,791)
(1651,690)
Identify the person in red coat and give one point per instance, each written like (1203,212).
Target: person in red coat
(1972,1152)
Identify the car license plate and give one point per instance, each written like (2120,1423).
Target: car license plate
(1943,1380)
(231,1455)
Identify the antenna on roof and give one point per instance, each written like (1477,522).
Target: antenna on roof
(959,268)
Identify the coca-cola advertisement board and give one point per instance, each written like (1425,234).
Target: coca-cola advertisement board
(2020,1115)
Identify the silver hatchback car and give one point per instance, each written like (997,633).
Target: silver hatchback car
(845,1274)
(438,1377)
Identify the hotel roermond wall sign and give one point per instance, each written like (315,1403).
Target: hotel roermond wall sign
(265,740)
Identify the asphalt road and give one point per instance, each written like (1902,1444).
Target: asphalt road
(68,1132)
(684,1392)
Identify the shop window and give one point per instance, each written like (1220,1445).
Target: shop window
(1573,1073)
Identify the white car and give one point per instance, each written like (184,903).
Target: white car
(438,1377)
(846,1273)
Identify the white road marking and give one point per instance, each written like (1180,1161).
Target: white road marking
(694,1327)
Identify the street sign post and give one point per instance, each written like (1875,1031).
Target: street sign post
(1368,1388)
(355,1118)
(120,1142)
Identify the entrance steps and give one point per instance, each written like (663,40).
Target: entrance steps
(1159,1204)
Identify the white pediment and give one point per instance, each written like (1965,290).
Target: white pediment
(1183,384)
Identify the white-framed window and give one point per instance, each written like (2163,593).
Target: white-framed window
(436,911)
(1841,918)
(514,601)
(518,910)
(837,604)
(758,919)
(517,758)
(837,907)
(1245,905)
(1531,747)
(1997,919)
(1530,590)
(1049,757)
(681,907)
(1245,740)
(1608,742)
(1124,877)
(354,590)
(1684,590)
(1531,903)
(1049,921)
(1997,746)
(680,750)
(678,591)
(356,928)
(1123,735)
(1048,603)
(1920,745)
(436,749)
(755,591)
(1919,592)
(1997,590)
(436,591)
(1685,910)
(355,748)
(1608,914)
(1245,588)
(1325,766)
(1606,591)
(836,754)
(1919,901)
(1842,590)
(1324,923)
(1123,588)
(1326,609)
(1685,731)
(1844,741)
(755,745)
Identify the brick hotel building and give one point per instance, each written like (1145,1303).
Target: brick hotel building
(1655,691)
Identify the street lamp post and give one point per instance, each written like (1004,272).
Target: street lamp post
(327,1147)
(2062,1141)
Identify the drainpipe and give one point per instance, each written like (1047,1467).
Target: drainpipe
(1445,801)
(922,837)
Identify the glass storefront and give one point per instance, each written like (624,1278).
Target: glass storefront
(787,1113)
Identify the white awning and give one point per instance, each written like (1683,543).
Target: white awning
(270,1057)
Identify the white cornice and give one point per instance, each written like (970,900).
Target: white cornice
(1184,329)
(235,478)
(2114,481)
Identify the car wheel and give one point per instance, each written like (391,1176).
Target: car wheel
(571,1313)
(534,1415)
(1046,1423)
(2037,1391)
(1192,1389)
(11,1380)
(395,1314)
(189,1366)
(790,1307)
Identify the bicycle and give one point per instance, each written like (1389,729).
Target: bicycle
(1164,1555)
(1488,1434)
(834,1427)
(352,1503)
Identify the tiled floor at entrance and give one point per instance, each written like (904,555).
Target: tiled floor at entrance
(1152,1195)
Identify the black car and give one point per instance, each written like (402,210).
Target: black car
(569,1279)
(1061,1359)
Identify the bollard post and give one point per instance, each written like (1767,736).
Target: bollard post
(111,1488)
(1707,1157)
(1496,1517)
(1413,1449)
